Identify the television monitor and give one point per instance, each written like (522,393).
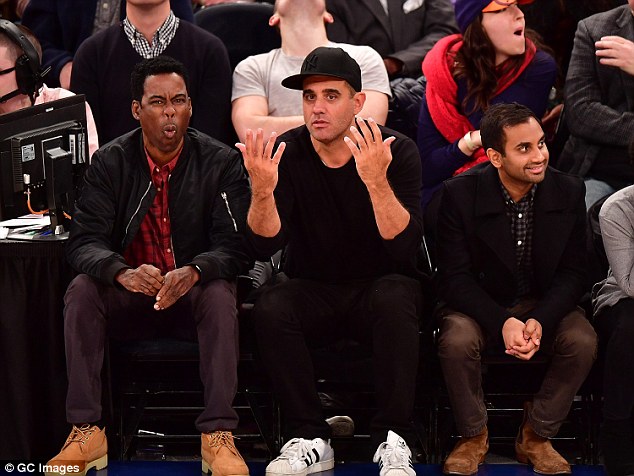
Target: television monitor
(43,152)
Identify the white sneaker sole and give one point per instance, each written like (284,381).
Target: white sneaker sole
(313,468)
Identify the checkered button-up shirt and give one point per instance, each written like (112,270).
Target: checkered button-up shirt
(161,39)
(152,244)
(521,216)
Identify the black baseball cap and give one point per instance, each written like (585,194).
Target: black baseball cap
(326,61)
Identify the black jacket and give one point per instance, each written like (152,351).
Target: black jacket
(476,253)
(208,202)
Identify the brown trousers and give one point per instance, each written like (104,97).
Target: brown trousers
(460,347)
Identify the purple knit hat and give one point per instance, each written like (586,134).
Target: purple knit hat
(468,10)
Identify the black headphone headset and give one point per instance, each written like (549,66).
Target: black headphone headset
(28,69)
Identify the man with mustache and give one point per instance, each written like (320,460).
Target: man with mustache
(511,269)
(157,238)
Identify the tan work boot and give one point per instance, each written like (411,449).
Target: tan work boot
(467,455)
(538,451)
(220,455)
(86,447)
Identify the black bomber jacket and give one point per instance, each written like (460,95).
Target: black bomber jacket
(209,197)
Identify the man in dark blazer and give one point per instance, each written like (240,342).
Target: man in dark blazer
(511,270)
(599,103)
(62,25)
(402,33)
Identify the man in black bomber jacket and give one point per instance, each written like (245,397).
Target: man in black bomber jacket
(157,238)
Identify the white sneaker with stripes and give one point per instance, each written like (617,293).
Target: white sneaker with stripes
(301,457)
(394,457)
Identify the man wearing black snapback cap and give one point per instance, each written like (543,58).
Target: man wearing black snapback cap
(344,203)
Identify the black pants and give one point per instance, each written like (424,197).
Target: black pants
(293,316)
(94,311)
(616,332)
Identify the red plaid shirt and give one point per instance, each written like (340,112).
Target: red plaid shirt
(153,242)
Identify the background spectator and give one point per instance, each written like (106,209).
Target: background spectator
(491,62)
(258,98)
(402,35)
(62,25)
(104,61)
(599,102)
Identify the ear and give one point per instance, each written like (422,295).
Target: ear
(495,157)
(274,19)
(359,101)
(328,18)
(135,109)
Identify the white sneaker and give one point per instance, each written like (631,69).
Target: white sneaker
(302,457)
(394,457)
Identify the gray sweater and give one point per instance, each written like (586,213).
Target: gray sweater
(617,230)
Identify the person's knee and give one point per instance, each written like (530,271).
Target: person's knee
(219,292)
(81,285)
(458,339)
(395,292)
(273,309)
(580,341)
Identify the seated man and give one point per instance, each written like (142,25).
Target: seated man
(62,25)
(102,66)
(511,266)
(613,300)
(156,236)
(347,209)
(599,103)
(27,89)
(258,98)
(402,31)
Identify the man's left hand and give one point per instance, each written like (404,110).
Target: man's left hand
(532,334)
(616,51)
(177,283)
(371,153)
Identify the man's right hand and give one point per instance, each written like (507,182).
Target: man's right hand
(520,340)
(260,161)
(145,279)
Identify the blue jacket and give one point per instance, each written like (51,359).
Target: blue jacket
(62,25)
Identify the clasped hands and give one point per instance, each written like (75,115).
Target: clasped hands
(149,280)
(521,340)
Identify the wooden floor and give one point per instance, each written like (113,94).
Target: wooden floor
(173,468)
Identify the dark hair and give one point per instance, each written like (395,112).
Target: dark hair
(475,61)
(498,117)
(152,67)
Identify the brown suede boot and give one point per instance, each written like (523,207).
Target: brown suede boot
(220,455)
(86,447)
(467,455)
(538,451)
